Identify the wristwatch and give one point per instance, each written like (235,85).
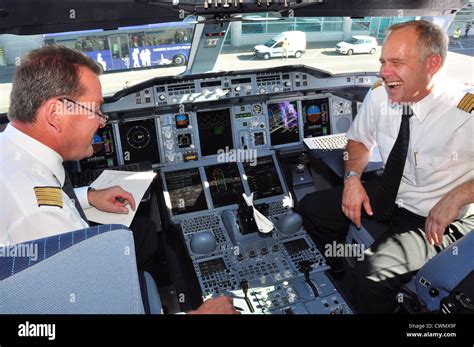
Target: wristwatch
(349,173)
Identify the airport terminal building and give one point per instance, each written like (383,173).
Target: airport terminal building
(321,29)
(258,28)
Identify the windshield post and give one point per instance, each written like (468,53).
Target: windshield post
(207,47)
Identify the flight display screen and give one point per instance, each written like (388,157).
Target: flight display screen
(104,155)
(215,131)
(185,191)
(182,120)
(209,267)
(263,178)
(296,246)
(316,117)
(225,184)
(139,141)
(283,123)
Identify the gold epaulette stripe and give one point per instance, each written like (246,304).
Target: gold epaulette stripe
(467,103)
(50,203)
(49,196)
(45,202)
(377,83)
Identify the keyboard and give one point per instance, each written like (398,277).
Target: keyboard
(85,178)
(330,149)
(327,143)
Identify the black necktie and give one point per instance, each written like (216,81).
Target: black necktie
(392,175)
(69,190)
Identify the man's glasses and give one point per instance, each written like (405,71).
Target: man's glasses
(103,117)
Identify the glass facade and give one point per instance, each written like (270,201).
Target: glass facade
(378,26)
(268,24)
(361,24)
(257,28)
(272,26)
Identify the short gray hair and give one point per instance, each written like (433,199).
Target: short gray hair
(431,37)
(44,73)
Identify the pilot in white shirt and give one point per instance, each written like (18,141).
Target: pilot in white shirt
(432,185)
(54,113)
(440,153)
(35,173)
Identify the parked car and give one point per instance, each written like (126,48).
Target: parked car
(273,47)
(358,44)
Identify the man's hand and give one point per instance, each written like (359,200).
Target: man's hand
(113,199)
(220,305)
(440,216)
(353,197)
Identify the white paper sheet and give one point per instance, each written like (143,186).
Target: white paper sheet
(136,183)
(264,225)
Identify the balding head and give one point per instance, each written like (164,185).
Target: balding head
(431,37)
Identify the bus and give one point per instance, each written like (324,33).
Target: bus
(164,44)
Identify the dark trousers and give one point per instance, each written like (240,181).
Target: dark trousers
(146,241)
(391,261)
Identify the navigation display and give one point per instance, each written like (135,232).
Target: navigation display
(283,123)
(139,142)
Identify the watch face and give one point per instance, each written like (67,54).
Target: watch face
(349,174)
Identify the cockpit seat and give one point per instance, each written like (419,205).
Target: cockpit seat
(445,283)
(87,271)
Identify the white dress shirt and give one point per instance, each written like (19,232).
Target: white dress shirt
(441,150)
(26,163)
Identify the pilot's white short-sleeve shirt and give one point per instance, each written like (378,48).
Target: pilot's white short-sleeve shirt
(32,202)
(441,150)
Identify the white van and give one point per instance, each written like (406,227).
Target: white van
(273,47)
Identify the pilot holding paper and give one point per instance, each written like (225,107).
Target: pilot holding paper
(54,113)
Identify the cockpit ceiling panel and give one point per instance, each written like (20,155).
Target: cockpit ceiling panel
(27,17)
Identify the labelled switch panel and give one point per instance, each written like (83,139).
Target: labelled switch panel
(250,126)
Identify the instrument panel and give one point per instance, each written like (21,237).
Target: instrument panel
(211,185)
(174,121)
(214,141)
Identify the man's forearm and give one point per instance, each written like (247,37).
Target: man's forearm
(463,194)
(356,157)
